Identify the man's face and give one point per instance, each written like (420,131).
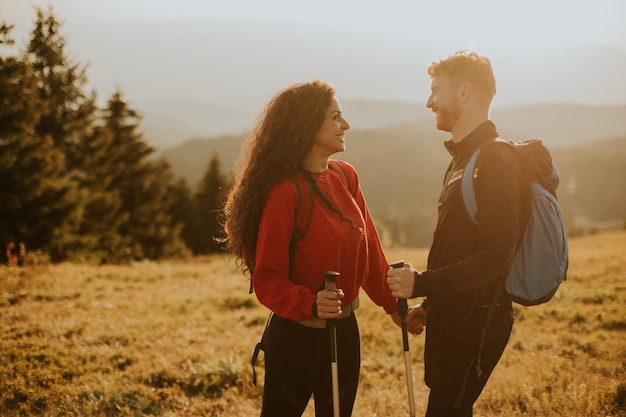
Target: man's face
(444,102)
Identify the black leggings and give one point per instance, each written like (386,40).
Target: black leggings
(297,364)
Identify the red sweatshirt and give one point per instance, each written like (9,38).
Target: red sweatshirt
(331,244)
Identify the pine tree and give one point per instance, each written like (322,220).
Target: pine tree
(36,198)
(182,210)
(209,201)
(143,184)
(69,111)
(103,215)
(67,119)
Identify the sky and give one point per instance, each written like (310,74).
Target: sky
(531,21)
(392,41)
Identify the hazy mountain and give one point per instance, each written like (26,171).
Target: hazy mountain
(558,125)
(206,78)
(169,123)
(561,125)
(401,169)
(380,131)
(166,123)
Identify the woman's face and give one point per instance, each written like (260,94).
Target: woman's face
(331,137)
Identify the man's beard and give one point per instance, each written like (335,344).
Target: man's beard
(449,116)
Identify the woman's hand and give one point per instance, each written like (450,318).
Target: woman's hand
(329,304)
(416,319)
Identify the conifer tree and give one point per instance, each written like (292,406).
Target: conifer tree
(67,118)
(183,211)
(103,215)
(209,201)
(36,198)
(143,184)
(69,111)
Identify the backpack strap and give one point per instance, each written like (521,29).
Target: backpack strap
(467,181)
(260,347)
(337,166)
(298,231)
(467,187)
(297,234)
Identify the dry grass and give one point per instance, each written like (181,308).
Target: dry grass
(174,339)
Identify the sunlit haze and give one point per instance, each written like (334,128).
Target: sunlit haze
(228,52)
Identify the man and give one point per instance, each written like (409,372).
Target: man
(469,314)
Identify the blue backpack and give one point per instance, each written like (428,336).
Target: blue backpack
(542,257)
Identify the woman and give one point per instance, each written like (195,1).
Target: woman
(301,127)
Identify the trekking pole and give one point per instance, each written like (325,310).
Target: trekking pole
(329,284)
(402,311)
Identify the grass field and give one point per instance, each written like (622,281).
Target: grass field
(174,339)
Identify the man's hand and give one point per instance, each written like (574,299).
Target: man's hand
(401,280)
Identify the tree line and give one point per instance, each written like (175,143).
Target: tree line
(79,182)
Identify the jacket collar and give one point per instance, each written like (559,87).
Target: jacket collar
(484,132)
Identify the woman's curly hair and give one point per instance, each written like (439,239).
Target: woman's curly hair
(282,136)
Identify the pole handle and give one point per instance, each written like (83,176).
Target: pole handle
(397,264)
(329,280)
(403,307)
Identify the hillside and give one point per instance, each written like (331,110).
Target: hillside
(593,182)
(401,167)
(168,123)
(561,125)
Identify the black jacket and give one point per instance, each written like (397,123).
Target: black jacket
(467,262)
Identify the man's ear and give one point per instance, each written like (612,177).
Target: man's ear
(466,90)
